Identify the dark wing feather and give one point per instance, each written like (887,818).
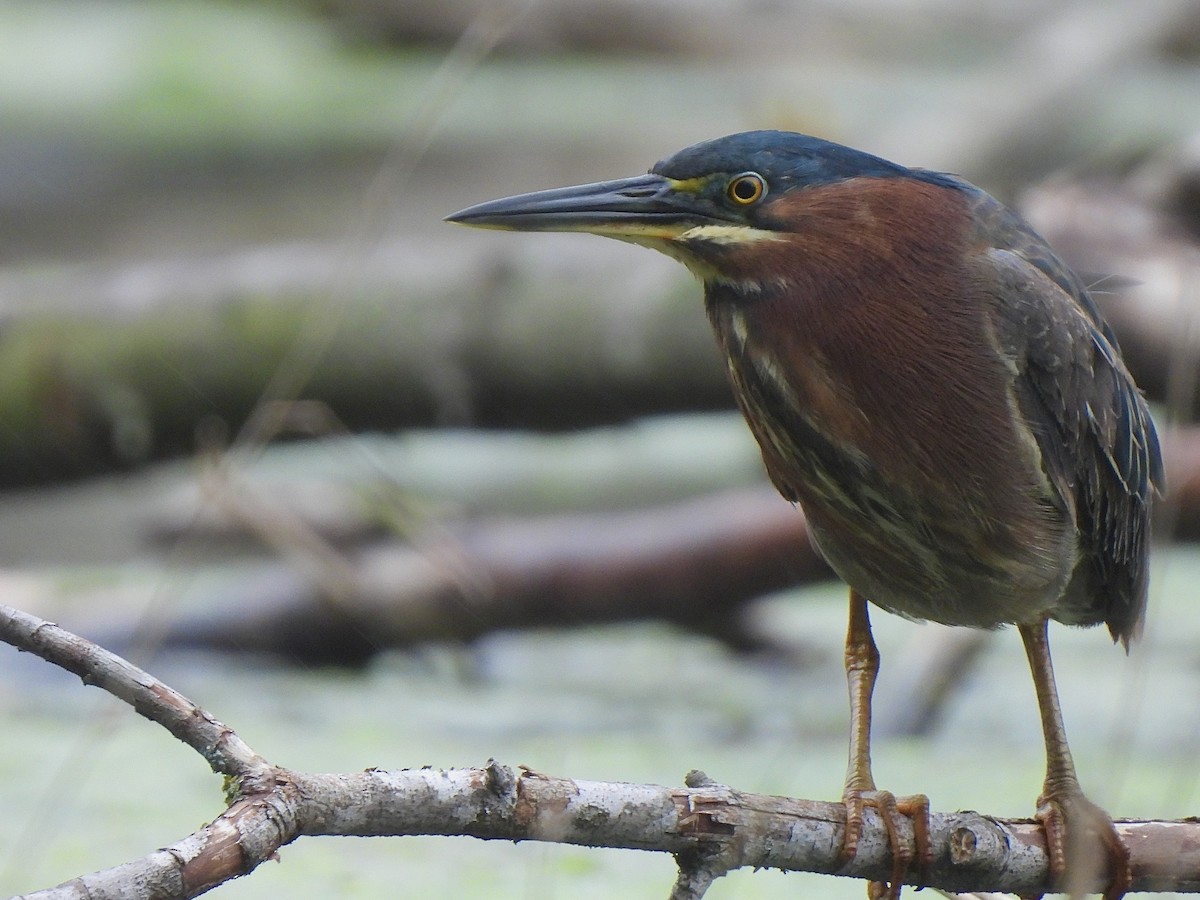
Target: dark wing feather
(1098,444)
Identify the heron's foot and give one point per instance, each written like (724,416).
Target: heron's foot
(1082,843)
(891,809)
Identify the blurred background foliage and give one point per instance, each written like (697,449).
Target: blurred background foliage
(249,380)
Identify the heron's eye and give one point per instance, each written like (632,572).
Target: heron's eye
(746,189)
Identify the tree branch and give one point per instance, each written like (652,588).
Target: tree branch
(219,744)
(713,822)
(710,828)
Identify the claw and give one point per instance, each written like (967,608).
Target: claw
(891,810)
(1089,845)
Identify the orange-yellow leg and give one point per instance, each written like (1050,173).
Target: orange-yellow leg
(1075,852)
(862,665)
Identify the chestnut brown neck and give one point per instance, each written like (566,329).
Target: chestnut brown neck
(870,329)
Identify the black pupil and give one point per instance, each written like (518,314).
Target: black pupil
(745,189)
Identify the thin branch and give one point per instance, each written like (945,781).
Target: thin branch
(220,746)
(708,827)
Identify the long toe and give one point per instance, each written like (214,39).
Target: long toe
(1083,846)
(892,811)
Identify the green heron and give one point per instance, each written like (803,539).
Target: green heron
(934,387)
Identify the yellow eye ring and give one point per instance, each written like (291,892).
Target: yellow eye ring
(746,189)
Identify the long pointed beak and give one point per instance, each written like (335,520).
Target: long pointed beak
(645,206)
